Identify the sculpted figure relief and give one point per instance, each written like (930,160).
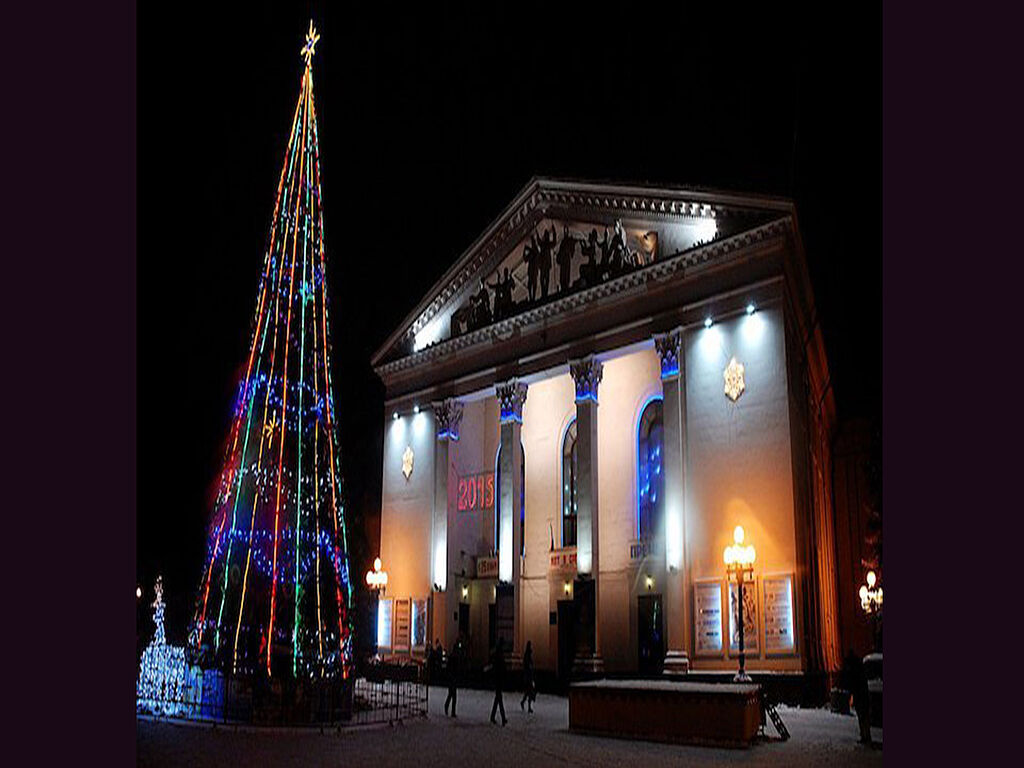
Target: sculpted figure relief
(566,249)
(544,250)
(547,244)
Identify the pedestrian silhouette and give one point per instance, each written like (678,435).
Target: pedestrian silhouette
(454,674)
(498,670)
(855,681)
(529,684)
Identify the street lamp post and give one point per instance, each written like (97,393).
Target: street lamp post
(377,580)
(739,560)
(871,602)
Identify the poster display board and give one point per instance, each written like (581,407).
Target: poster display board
(751,646)
(402,621)
(419,625)
(707,616)
(779,630)
(384,606)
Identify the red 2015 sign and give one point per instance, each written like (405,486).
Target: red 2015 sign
(476,492)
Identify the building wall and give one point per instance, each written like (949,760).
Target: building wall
(406,505)
(739,458)
(739,473)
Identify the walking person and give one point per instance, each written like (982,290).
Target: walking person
(529,684)
(498,670)
(855,681)
(454,673)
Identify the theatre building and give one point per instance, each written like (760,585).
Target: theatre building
(578,415)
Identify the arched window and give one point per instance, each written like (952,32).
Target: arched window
(522,498)
(651,479)
(570,473)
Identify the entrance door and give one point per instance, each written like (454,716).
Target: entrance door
(650,634)
(492,627)
(566,638)
(464,621)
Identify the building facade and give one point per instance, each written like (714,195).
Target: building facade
(579,414)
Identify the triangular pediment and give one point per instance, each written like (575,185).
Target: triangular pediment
(559,239)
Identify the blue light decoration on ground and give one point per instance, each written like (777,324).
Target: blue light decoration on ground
(275,593)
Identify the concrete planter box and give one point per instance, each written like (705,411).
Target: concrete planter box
(722,714)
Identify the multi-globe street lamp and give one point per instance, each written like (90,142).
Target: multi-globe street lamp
(739,561)
(377,580)
(871,602)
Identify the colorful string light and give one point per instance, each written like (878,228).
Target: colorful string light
(285,496)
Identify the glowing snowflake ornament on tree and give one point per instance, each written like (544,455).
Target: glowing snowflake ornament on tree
(734,381)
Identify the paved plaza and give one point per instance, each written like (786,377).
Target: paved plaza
(819,738)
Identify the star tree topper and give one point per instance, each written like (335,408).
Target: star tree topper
(311,40)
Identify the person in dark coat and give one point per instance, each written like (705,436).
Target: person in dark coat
(529,684)
(855,681)
(454,674)
(498,670)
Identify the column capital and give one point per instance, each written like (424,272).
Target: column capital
(586,373)
(511,396)
(448,414)
(670,350)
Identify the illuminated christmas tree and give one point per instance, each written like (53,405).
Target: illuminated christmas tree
(275,593)
(160,688)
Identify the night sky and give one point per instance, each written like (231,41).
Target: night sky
(431,120)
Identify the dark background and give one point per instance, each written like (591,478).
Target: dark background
(430,121)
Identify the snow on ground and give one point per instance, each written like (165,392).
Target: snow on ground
(819,738)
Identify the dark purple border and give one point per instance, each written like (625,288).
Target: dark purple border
(68,290)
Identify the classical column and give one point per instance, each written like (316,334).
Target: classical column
(511,396)
(447,416)
(672,353)
(586,374)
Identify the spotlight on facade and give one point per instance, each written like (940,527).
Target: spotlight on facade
(395,415)
(707,322)
(415,409)
(465,592)
(650,581)
(567,587)
(138,593)
(750,309)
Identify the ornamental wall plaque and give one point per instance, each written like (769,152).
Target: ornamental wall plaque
(407,459)
(734,382)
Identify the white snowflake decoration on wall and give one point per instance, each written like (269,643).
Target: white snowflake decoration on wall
(734,382)
(407,459)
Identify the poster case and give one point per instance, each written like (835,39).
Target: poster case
(751,635)
(779,625)
(401,623)
(384,612)
(709,637)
